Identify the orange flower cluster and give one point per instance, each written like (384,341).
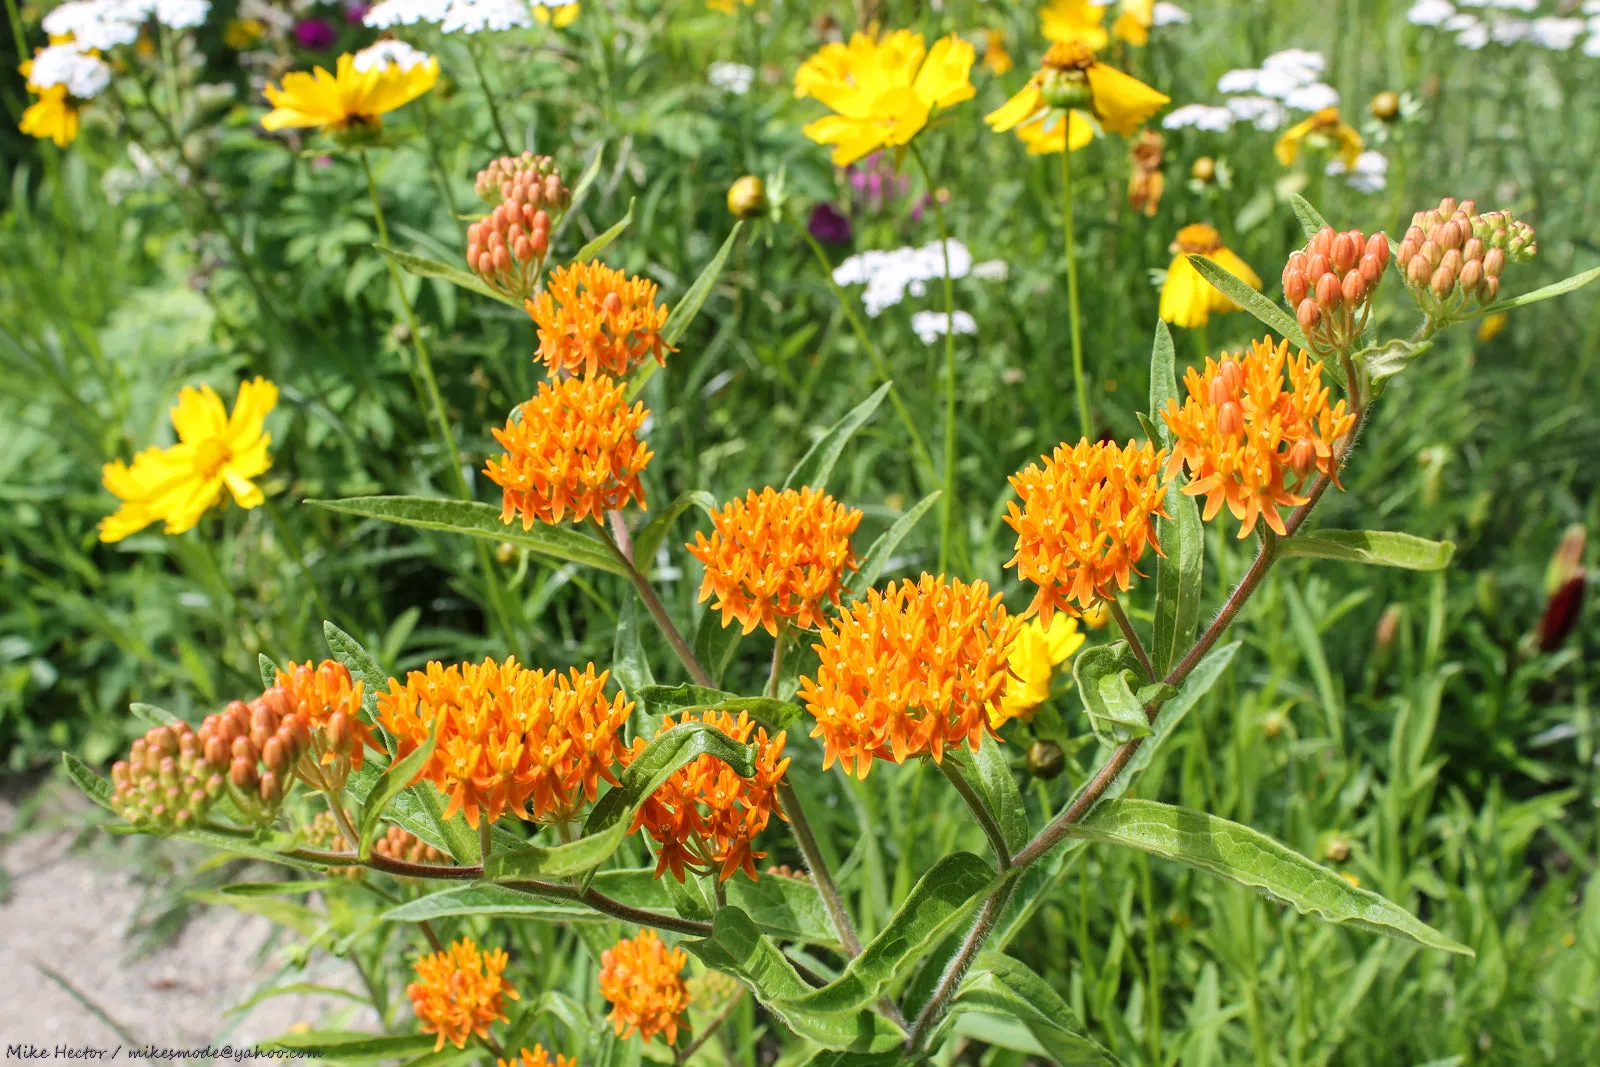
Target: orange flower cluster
(328,700)
(909,671)
(593,318)
(1243,437)
(705,816)
(574,448)
(643,980)
(776,555)
(459,991)
(510,739)
(1085,519)
(538,1057)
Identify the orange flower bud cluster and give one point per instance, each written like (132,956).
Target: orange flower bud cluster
(528,177)
(595,318)
(260,743)
(1452,257)
(776,555)
(528,742)
(909,671)
(1330,283)
(1085,519)
(328,701)
(403,845)
(705,816)
(508,248)
(643,980)
(1245,439)
(459,991)
(573,449)
(538,1057)
(166,782)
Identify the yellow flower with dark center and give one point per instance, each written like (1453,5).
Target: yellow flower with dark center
(1035,654)
(883,92)
(348,100)
(216,453)
(459,991)
(1133,22)
(1071,80)
(643,980)
(1326,131)
(560,17)
(1075,22)
(1187,299)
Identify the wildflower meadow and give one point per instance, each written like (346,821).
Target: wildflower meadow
(766,532)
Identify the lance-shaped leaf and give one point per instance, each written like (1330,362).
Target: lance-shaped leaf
(688,307)
(1564,286)
(269,669)
(1180,571)
(818,462)
(1262,307)
(152,715)
(344,1046)
(649,538)
(989,773)
(297,917)
(423,267)
(238,842)
(1253,859)
(737,947)
(714,643)
(1311,220)
(91,784)
(601,241)
(1377,547)
(1003,986)
(877,556)
(1105,676)
(935,904)
(481,521)
(399,776)
(1382,362)
(611,816)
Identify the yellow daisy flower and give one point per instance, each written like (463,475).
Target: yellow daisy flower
(216,452)
(1133,22)
(883,92)
(1324,130)
(1075,22)
(1187,299)
(1071,79)
(1055,131)
(1035,654)
(53,115)
(349,100)
(559,17)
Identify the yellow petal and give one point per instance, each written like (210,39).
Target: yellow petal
(1069,21)
(1288,146)
(944,79)
(199,414)
(1122,102)
(1185,299)
(1018,109)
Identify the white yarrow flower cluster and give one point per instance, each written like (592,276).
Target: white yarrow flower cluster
(1285,81)
(735,78)
(932,325)
(389,53)
(1165,14)
(1430,12)
(888,276)
(1259,111)
(106,24)
(1369,175)
(1199,117)
(1557,33)
(454,16)
(85,76)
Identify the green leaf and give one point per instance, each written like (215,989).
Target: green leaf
(877,556)
(278,889)
(238,842)
(695,700)
(1566,285)
(1311,220)
(694,298)
(1163,383)
(482,521)
(1003,986)
(363,668)
(1253,859)
(297,917)
(423,267)
(598,245)
(648,540)
(935,904)
(989,773)
(93,786)
(1377,547)
(631,667)
(610,818)
(399,776)
(737,947)
(460,900)
(1105,676)
(670,698)
(815,466)
(1382,362)
(269,670)
(348,1045)
(1262,307)
(1180,571)
(714,643)
(153,715)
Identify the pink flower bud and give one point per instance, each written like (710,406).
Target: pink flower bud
(1316,267)
(1447,207)
(1322,242)
(1230,419)
(501,257)
(1468,207)
(1295,286)
(1371,270)
(243,773)
(1378,247)
(1494,261)
(1415,235)
(1473,249)
(271,788)
(243,749)
(1451,259)
(275,755)
(1442,282)
(1307,314)
(1328,292)
(1354,288)
(1344,252)
(523,250)
(1471,276)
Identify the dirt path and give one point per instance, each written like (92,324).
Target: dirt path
(70,906)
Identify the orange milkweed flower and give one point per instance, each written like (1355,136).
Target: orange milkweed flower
(574,448)
(459,991)
(531,742)
(592,318)
(1086,518)
(909,671)
(328,701)
(1244,438)
(705,816)
(537,1056)
(643,980)
(776,555)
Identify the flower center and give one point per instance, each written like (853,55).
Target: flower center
(1199,238)
(210,456)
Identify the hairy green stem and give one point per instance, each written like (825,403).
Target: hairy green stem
(476,53)
(1131,635)
(980,811)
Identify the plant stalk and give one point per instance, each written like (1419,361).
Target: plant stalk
(980,811)
(1131,635)
(1075,325)
(947,502)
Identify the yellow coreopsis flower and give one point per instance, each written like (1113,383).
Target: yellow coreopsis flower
(53,115)
(350,99)
(560,17)
(1035,654)
(1133,22)
(216,453)
(1075,22)
(883,92)
(1325,130)
(1071,79)
(1187,299)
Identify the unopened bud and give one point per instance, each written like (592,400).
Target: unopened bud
(1371,271)
(1303,457)
(1471,276)
(1337,850)
(1295,287)
(275,754)
(747,197)
(243,773)
(1418,270)
(1442,281)
(1378,247)
(1385,107)
(1328,292)
(1307,314)
(1494,261)
(271,788)
(340,733)
(1045,759)
(1230,419)
(1203,169)
(1345,251)
(1354,288)
(1316,266)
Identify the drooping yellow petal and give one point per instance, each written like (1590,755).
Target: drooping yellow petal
(1025,104)
(1133,22)
(52,116)
(1185,299)
(348,98)
(1288,145)
(1075,22)
(1121,101)
(1052,132)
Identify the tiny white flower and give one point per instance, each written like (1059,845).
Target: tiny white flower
(1508,31)
(1591,47)
(1238,81)
(889,275)
(181,14)
(932,325)
(1299,63)
(389,53)
(1279,83)
(1472,36)
(1313,97)
(94,23)
(391,13)
(1369,175)
(992,270)
(84,76)
(1515,5)
(479,16)
(1430,12)
(1165,14)
(1261,112)
(735,78)
(1558,34)
(1200,117)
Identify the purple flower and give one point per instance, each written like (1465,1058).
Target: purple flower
(355,12)
(315,34)
(829,225)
